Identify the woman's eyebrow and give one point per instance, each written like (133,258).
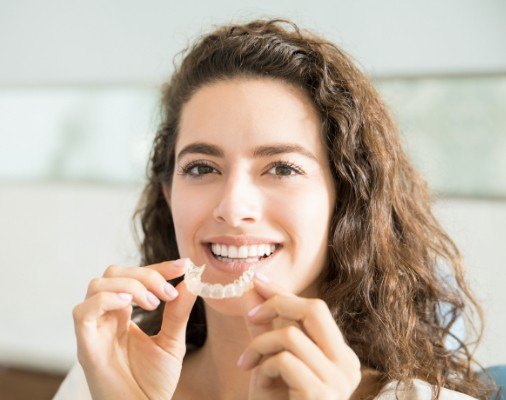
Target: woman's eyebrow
(260,151)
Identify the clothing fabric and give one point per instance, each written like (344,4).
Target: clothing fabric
(75,387)
(418,390)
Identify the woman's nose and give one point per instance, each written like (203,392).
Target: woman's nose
(239,201)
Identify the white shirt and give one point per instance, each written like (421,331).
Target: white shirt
(75,387)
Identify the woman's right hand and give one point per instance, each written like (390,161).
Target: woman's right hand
(118,358)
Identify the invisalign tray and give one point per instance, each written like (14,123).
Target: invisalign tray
(194,284)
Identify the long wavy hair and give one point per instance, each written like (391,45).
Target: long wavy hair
(383,281)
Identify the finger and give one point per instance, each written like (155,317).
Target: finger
(91,310)
(88,319)
(249,300)
(176,313)
(141,296)
(172,268)
(256,296)
(293,340)
(314,316)
(266,288)
(153,277)
(167,269)
(297,376)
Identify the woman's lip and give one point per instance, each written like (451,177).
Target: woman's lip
(237,267)
(241,240)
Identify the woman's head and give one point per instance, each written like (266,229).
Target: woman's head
(375,248)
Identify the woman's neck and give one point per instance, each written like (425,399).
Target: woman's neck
(213,366)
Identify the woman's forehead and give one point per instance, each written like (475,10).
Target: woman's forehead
(250,113)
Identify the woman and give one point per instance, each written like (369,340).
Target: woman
(271,139)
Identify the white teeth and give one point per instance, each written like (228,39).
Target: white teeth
(243,251)
(216,248)
(253,251)
(232,252)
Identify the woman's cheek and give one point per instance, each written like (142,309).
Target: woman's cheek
(188,216)
(310,222)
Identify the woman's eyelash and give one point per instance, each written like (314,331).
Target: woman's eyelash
(287,164)
(185,171)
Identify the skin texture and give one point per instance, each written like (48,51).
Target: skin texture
(245,195)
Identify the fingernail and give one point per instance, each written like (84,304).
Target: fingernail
(125,296)
(170,291)
(240,361)
(181,262)
(153,299)
(254,311)
(261,277)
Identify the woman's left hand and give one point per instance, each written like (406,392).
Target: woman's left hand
(308,359)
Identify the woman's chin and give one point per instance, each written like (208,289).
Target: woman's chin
(232,306)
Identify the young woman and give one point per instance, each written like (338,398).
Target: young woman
(273,141)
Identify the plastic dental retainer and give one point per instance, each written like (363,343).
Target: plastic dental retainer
(193,275)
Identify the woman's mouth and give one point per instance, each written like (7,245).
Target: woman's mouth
(238,265)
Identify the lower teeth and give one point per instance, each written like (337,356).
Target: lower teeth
(248,260)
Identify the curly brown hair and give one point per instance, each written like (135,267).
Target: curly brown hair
(382,281)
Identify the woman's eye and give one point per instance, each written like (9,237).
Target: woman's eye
(202,168)
(198,170)
(285,169)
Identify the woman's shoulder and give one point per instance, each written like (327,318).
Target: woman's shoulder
(418,389)
(74,386)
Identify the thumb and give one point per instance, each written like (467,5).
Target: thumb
(176,313)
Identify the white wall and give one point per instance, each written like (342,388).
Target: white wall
(478,227)
(55,238)
(94,41)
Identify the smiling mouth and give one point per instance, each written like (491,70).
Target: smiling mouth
(249,260)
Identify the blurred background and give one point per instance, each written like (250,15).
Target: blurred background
(79,87)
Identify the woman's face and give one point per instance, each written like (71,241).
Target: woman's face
(240,194)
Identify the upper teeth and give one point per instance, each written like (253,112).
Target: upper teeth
(258,250)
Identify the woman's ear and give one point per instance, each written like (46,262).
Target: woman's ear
(166,194)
